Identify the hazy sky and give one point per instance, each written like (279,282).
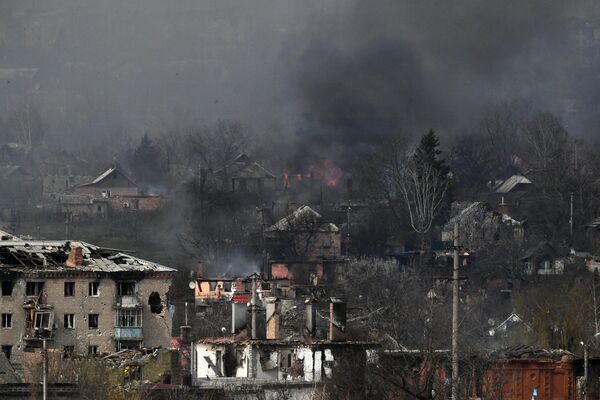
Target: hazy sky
(339,72)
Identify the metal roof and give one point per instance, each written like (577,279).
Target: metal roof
(51,256)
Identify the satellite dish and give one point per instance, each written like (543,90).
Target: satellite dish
(192,285)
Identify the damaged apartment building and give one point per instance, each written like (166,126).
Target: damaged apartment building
(80,298)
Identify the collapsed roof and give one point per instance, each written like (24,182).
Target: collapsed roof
(20,255)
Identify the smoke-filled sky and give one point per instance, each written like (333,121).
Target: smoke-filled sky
(332,72)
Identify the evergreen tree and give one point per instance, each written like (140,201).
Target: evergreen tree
(148,165)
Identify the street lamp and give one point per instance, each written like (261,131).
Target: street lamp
(585,365)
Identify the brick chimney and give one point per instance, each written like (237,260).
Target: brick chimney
(75,257)
(272,310)
(337,320)
(199,270)
(503,207)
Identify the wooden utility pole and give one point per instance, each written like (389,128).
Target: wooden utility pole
(455,287)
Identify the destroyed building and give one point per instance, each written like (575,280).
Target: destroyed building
(303,248)
(266,352)
(81,298)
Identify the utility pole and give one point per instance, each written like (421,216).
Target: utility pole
(455,278)
(571,221)
(44,370)
(585,369)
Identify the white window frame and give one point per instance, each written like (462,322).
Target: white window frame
(70,319)
(94,289)
(6,320)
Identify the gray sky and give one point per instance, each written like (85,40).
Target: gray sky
(339,72)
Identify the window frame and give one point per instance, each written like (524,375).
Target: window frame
(96,292)
(6,322)
(69,289)
(96,317)
(69,321)
(36,286)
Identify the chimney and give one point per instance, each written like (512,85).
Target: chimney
(75,257)
(238,316)
(184,333)
(199,270)
(311,315)
(337,320)
(272,318)
(292,206)
(503,207)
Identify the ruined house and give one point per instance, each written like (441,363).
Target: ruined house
(303,248)
(81,298)
(265,354)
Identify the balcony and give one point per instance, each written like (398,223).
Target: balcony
(128,333)
(129,301)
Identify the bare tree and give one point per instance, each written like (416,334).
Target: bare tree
(546,140)
(423,189)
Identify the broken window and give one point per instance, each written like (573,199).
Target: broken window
(43,320)
(126,288)
(7,320)
(7,288)
(93,321)
(69,289)
(34,288)
(227,286)
(7,350)
(68,351)
(155,303)
(69,321)
(93,289)
(129,318)
(92,350)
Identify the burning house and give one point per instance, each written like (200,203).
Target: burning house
(303,248)
(81,298)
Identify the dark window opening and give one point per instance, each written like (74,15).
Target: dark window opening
(93,321)
(34,288)
(7,350)
(7,288)
(69,289)
(68,351)
(93,288)
(92,350)
(212,285)
(155,303)
(227,286)
(126,288)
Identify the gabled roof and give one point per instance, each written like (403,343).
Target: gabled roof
(109,172)
(245,167)
(303,218)
(511,184)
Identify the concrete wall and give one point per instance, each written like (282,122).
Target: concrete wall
(156,327)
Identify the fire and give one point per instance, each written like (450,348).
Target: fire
(326,172)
